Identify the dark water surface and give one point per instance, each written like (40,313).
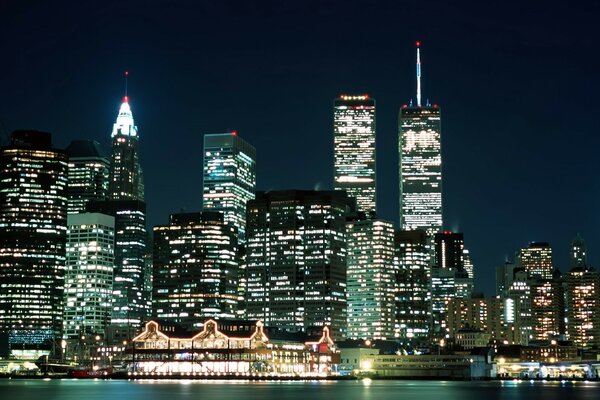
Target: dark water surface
(20,389)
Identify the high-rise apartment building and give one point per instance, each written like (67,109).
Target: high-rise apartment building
(89,274)
(420,156)
(413,286)
(196,269)
(354,149)
(33,230)
(371,278)
(547,308)
(296,259)
(88,174)
(229,177)
(583,306)
(536,259)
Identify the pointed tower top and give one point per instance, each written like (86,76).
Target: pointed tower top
(125,98)
(418,74)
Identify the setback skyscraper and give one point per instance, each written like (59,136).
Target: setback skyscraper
(229,177)
(354,149)
(33,230)
(420,157)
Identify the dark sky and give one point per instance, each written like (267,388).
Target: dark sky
(517,84)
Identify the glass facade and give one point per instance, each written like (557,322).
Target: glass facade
(196,269)
(354,149)
(371,279)
(89,274)
(33,228)
(296,259)
(420,169)
(88,174)
(229,177)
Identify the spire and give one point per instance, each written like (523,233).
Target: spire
(124,124)
(125,99)
(418,74)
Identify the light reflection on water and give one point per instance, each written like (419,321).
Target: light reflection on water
(293,390)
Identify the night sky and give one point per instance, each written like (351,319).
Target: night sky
(517,84)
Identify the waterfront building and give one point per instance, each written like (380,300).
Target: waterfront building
(196,269)
(229,177)
(238,352)
(413,286)
(296,259)
(354,149)
(420,156)
(536,259)
(89,274)
(371,278)
(88,174)
(33,230)
(583,307)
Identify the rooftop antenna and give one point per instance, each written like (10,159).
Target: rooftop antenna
(418,74)
(126,75)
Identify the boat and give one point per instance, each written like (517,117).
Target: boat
(94,372)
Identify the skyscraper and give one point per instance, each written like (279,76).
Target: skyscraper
(371,278)
(196,269)
(229,177)
(420,157)
(578,252)
(583,301)
(89,274)
(354,149)
(126,180)
(296,259)
(536,259)
(88,174)
(33,227)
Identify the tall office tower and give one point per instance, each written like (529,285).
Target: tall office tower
(583,301)
(536,259)
(449,251)
(468,264)
(126,180)
(443,289)
(354,149)
(371,278)
(518,304)
(578,253)
(88,174)
(504,278)
(229,177)
(296,259)
(413,286)
(89,274)
(420,155)
(131,294)
(547,308)
(33,231)
(196,269)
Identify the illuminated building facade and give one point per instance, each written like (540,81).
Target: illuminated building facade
(33,231)
(420,155)
(296,259)
(371,279)
(518,306)
(131,292)
(229,177)
(88,174)
(196,270)
(583,307)
(413,286)
(578,253)
(536,259)
(126,180)
(162,350)
(547,308)
(354,149)
(89,274)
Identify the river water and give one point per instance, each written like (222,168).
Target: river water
(21,389)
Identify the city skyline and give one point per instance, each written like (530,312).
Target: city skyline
(497,219)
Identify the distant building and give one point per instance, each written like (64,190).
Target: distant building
(583,307)
(504,278)
(229,177)
(88,174)
(89,274)
(33,231)
(536,259)
(296,259)
(354,149)
(413,286)
(196,269)
(578,253)
(371,279)
(420,153)
(547,309)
